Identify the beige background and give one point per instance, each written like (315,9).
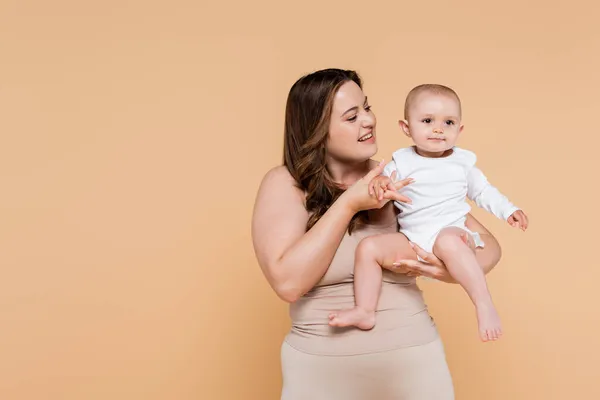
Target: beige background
(133,136)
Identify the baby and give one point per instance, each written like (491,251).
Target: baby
(443,177)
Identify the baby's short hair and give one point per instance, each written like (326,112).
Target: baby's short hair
(433,88)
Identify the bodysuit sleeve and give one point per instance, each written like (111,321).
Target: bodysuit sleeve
(389,168)
(487,196)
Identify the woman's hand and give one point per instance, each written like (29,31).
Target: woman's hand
(361,196)
(431,266)
(381,184)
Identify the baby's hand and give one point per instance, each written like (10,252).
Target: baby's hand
(518,220)
(380,184)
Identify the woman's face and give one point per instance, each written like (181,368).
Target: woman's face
(352,127)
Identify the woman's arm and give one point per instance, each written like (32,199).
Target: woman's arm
(292,259)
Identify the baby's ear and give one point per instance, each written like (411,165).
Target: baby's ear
(461,128)
(404,126)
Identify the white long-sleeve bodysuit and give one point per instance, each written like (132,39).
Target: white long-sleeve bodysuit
(439,194)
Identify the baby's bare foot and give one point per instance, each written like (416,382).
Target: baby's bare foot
(356,316)
(489,322)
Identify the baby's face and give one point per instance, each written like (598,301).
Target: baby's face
(433,123)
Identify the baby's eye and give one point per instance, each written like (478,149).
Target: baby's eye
(427,120)
(450,122)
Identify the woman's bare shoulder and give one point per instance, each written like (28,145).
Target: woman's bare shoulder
(278,183)
(280,173)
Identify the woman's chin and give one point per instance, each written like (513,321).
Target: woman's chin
(367,150)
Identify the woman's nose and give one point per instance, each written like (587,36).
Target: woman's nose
(368,121)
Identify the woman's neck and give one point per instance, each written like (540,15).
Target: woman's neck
(346,173)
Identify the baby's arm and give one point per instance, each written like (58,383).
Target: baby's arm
(488,197)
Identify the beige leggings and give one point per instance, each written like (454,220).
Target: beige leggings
(410,373)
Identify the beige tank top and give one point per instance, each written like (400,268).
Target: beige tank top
(402,316)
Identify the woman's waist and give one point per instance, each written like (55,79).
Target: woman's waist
(402,319)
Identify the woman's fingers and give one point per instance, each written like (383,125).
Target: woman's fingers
(382,190)
(390,195)
(403,182)
(374,172)
(431,266)
(427,257)
(391,185)
(420,268)
(402,268)
(379,191)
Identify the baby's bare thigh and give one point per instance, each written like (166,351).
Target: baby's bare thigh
(387,248)
(447,239)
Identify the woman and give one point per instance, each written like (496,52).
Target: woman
(310,214)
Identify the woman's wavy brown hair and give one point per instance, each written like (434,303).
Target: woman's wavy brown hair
(307,116)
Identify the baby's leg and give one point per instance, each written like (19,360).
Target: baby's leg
(462,264)
(371,253)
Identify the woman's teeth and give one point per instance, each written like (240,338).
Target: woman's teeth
(366,137)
